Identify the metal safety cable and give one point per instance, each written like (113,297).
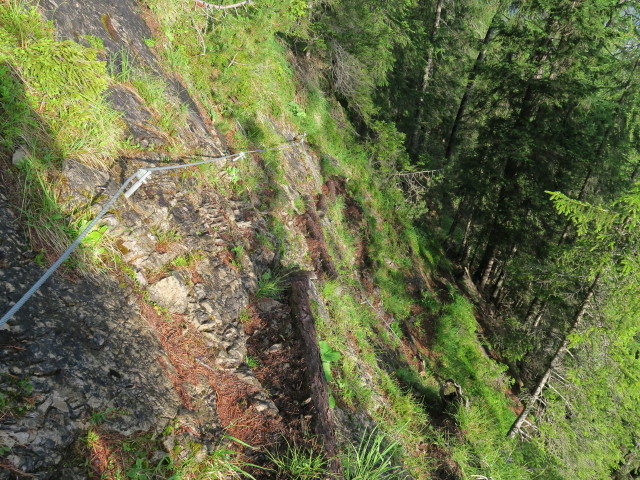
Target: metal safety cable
(142,175)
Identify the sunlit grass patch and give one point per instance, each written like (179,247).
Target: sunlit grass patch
(64,85)
(53,108)
(271,284)
(342,237)
(362,381)
(171,115)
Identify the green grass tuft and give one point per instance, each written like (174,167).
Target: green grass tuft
(271,284)
(298,463)
(372,458)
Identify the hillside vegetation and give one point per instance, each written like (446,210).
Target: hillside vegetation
(457,179)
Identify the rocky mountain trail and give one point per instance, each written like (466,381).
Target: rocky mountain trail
(158,346)
(184,294)
(77,348)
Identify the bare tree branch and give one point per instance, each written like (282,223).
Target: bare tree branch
(415,184)
(201,4)
(423,172)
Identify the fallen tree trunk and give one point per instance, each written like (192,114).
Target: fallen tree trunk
(314,373)
(556,359)
(317,242)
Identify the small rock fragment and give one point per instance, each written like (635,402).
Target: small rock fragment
(19,155)
(170,293)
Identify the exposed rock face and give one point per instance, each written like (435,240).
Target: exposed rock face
(82,348)
(138,117)
(19,155)
(85,182)
(121,27)
(96,345)
(161,343)
(117,23)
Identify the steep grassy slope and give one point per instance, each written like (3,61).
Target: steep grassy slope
(392,324)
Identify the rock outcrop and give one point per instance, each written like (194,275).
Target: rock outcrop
(159,344)
(156,339)
(77,348)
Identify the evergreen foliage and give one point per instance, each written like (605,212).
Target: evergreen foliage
(548,105)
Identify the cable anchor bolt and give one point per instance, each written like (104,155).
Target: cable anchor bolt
(143,175)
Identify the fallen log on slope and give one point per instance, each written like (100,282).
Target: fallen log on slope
(314,374)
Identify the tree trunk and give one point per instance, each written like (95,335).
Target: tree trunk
(497,288)
(466,243)
(473,253)
(426,78)
(486,266)
(500,299)
(462,106)
(556,359)
(499,274)
(538,319)
(534,398)
(531,312)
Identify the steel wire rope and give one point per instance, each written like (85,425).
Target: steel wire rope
(142,174)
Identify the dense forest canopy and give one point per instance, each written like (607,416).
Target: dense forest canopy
(529,112)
